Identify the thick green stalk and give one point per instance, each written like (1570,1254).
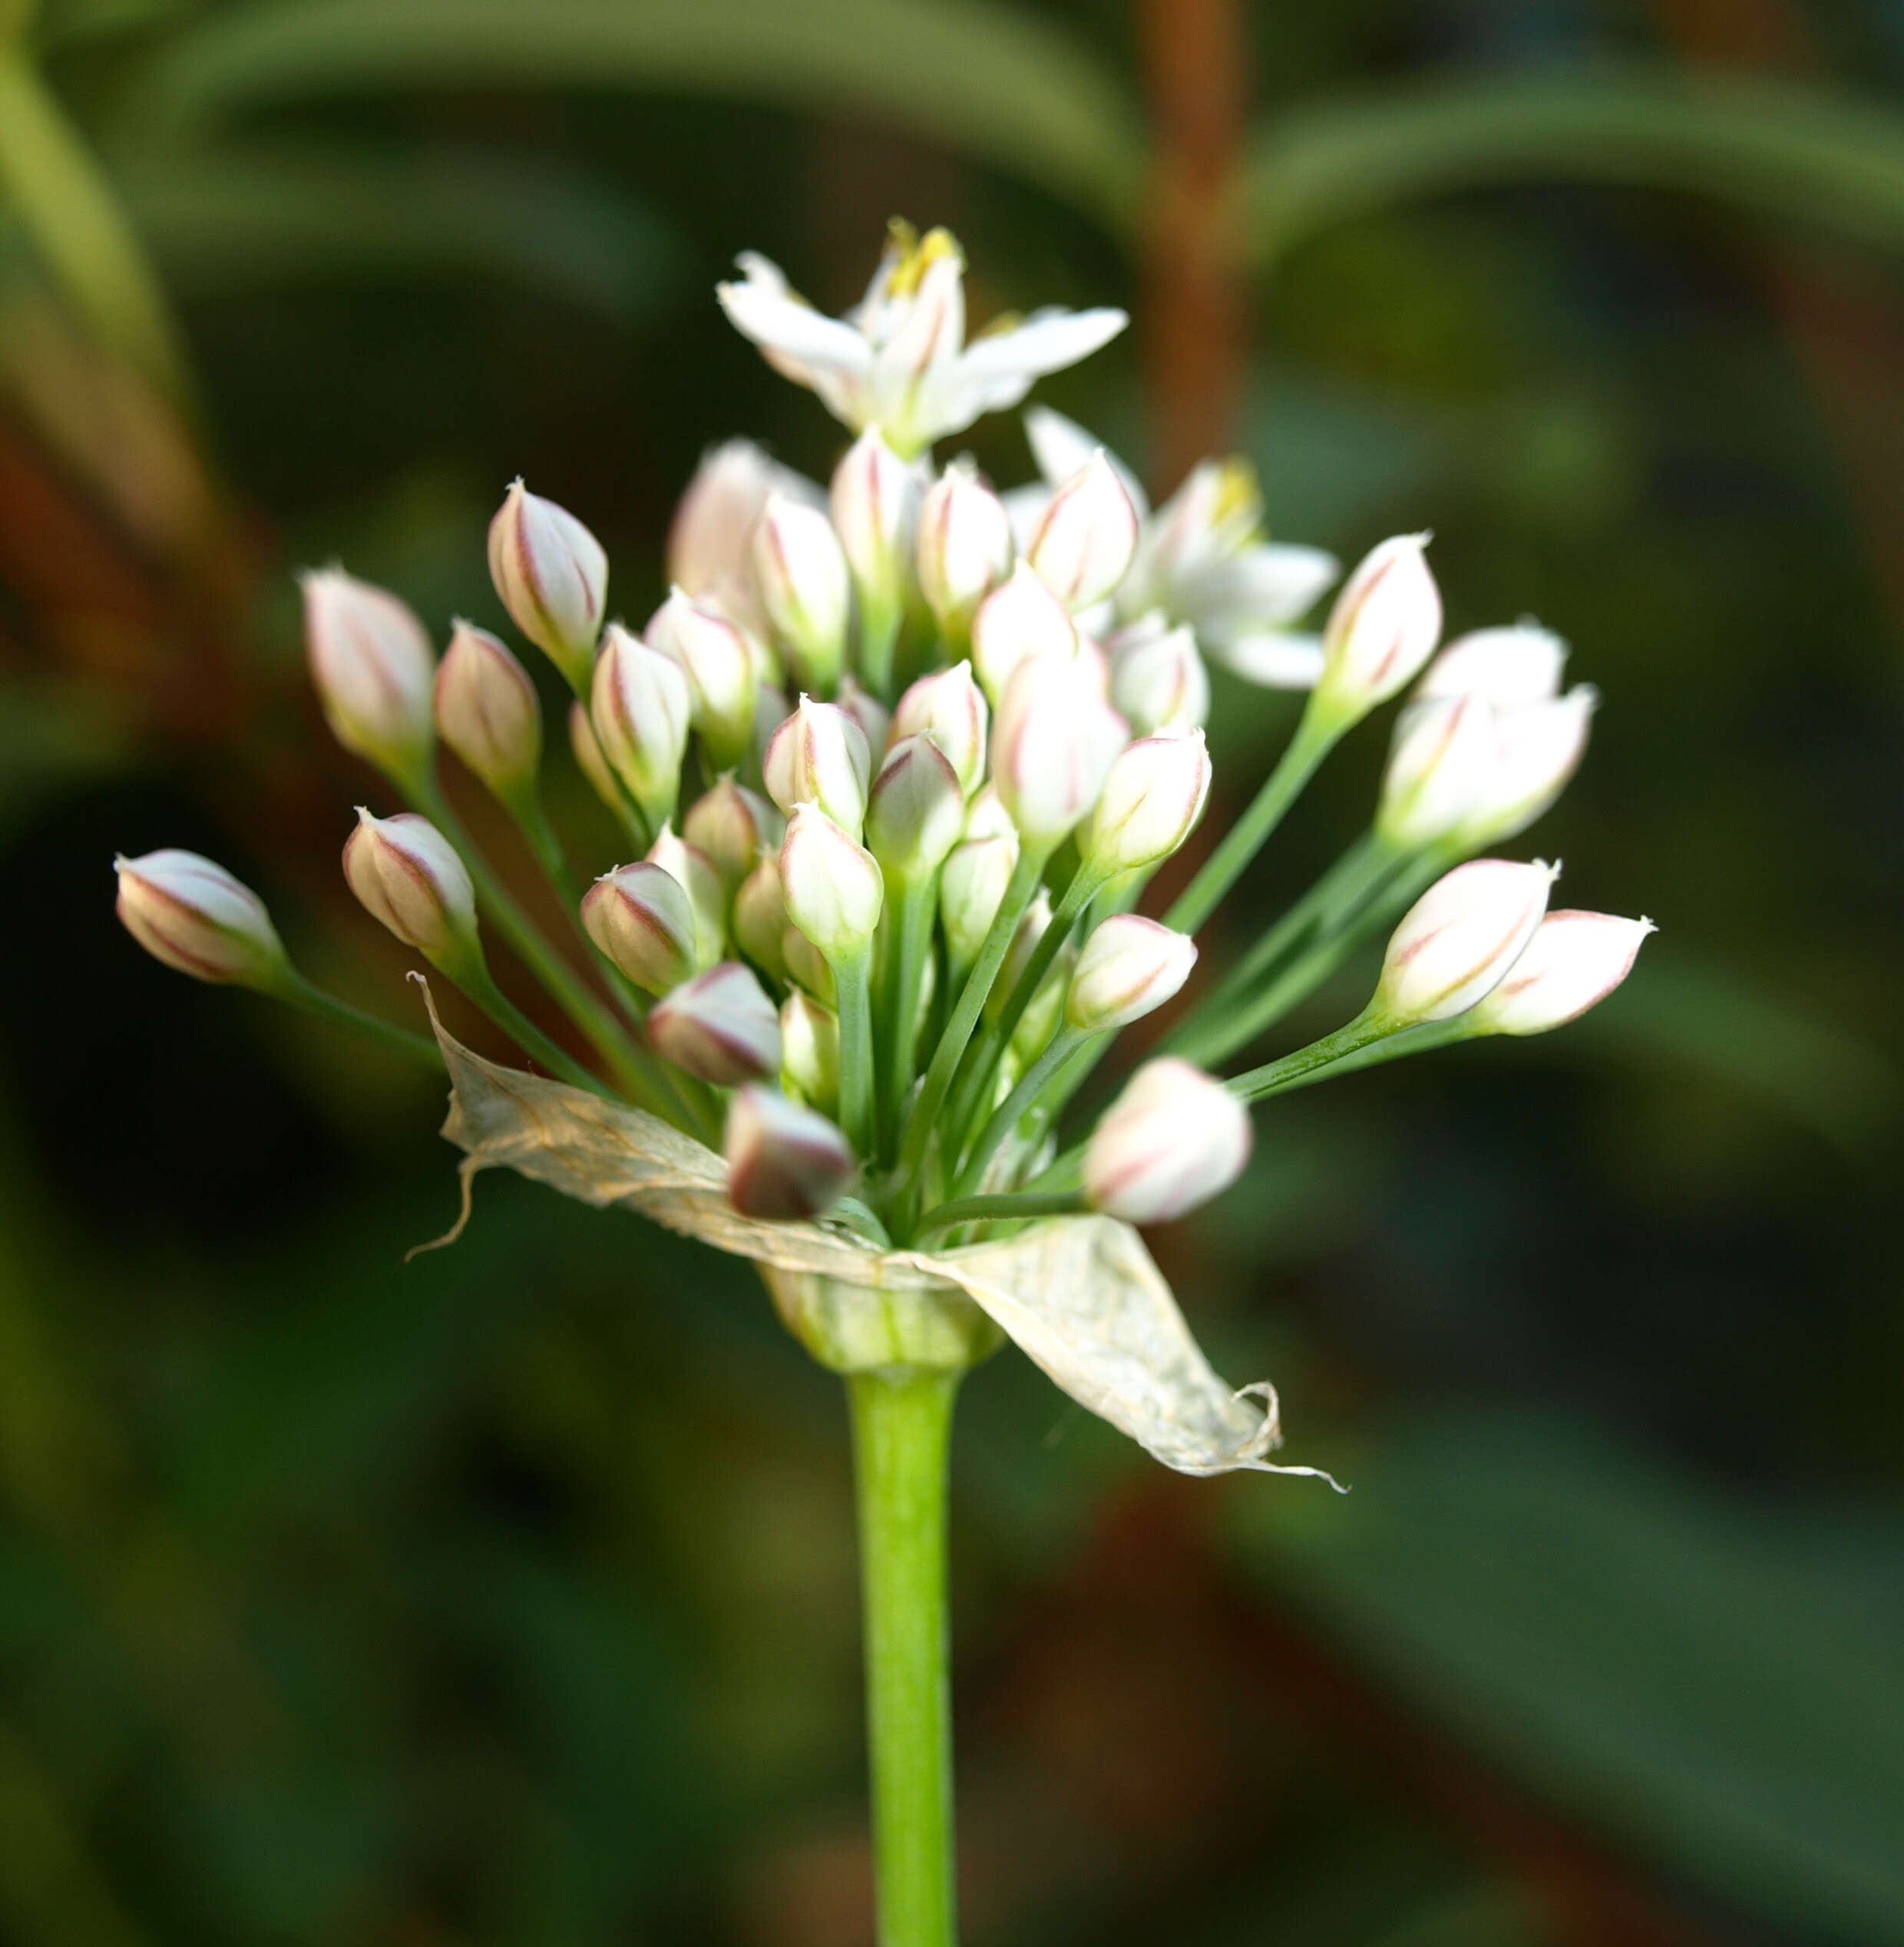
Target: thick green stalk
(1316,736)
(294,987)
(851,983)
(902,1425)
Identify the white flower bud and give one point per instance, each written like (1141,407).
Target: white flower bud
(1458,939)
(806,965)
(1383,627)
(916,811)
(986,817)
(784,1162)
(640,709)
(965,545)
(772,708)
(949,707)
(1441,756)
(372,664)
(1130,967)
(589,758)
(1085,542)
(408,876)
(760,917)
(711,541)
(810,1051)
(805,586)
(1152,798)
(733,826)
(1054,743)
(1537,748)
(833,887)
(720,1027)
(971,889)
(1508,666)
(1019,620)
(192,914)
(488,711)
(875,503)
(874,719)
(642,918)
(1573,962)
(1171,1140)
(1158,679)
(712,653)
(553,577)
(819,756)
(697,876)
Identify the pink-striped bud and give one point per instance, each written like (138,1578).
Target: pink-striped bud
(1017,621)
(965,546)
(949,707)
(588,759)
(874,719)
(1172,1140)
(712,653)
(971,889)
(1383,627)
(1441,754)
(487,712)
(733,826)
(553,577)
(760,917)
(697,876)
(1158,679)
(1054,742)
(720,1026)
(372,664)
(806,966)
(1153,796)
(832,884)
(407,876)
(1507,666)
(1537,748)
(819,756)
(1084,541)
(805,587)
(193,915)
(1572,962)
(641,917)
(1457,941)
(1130,967)
(810,1051)
(916,811)
(784,1162)
(640,708)
(875,503)
(711,539)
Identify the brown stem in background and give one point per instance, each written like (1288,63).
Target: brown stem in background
(1194,313)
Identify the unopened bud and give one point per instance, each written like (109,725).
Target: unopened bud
(1052,746)
(191,914)
(833,887)
(1153,796)
(916,811)
(1383,627)
(488,713)
(804,585)
(875,503)
(810,1051)
(1015,623)
(408,876)
(720,1026)
(1458,940)
(733,826)
(971,889)
(1537,748)
(1130,967)
(589,758)
(1442,752)
(760,917)
(1158,679)
(372,664)
(965,546)
(1508,666)
(1084,541)
(640,709)
(711,539)
(986,817)
(697,876)
(784,1162)
(1573,962)
(949,707)
(819,756)
(553,577)
(1171,1141)
(641,917)
(874,719)
(712,653)
(806,966)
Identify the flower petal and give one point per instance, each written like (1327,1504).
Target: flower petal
(1271,659)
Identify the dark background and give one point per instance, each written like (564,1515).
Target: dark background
(507,1596)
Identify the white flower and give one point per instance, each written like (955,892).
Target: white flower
(899,360)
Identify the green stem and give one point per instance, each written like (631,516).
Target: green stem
(1358,1051)
(1288,1070)
(902,1425)
(1316,735)
(878,634)
(478,983)
(918,908)
(1004,1119)
(1016,1205)
(301,993)
(850,980)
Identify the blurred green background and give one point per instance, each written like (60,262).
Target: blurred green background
(506,1597)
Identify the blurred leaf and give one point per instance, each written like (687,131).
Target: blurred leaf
(1786,150)
(1011,90)
(1684,1672)
(228,220)
(51,743)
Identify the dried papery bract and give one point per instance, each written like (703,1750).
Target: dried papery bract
(641,917)
(1085,540)
(713,654)
(783,1161)
(1173,1139)
(408,876)
(488,713)
(1573,962)
(373,668)
(552,576)
(720,1026)
(1128,967)
(193,914)
(1458,940)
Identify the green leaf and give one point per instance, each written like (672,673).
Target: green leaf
(1691,1675)
(1787,151)
(1012,91)
(233,219)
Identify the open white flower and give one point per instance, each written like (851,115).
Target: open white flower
(899,360)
